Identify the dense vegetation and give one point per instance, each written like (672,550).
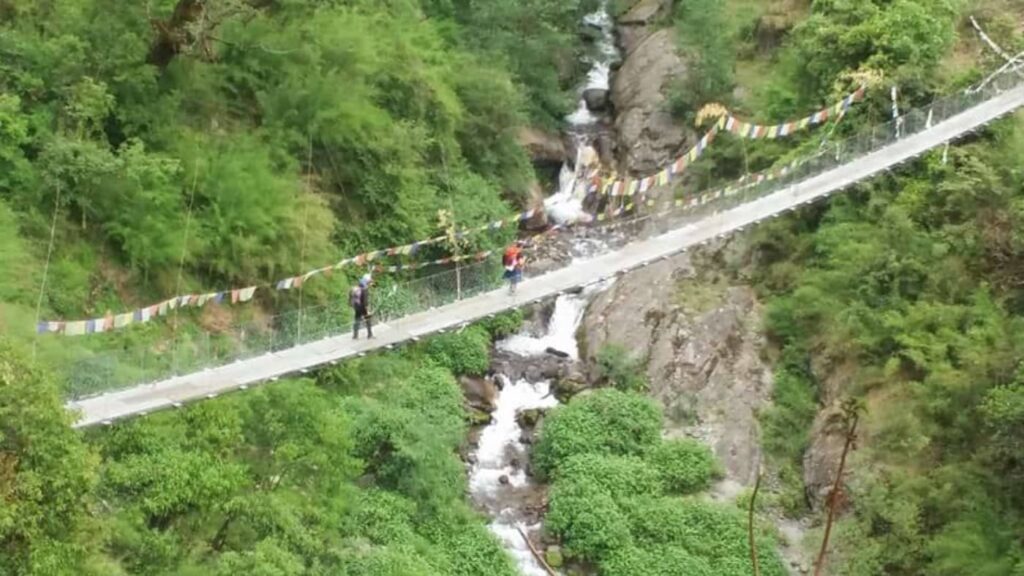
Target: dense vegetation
(904,293)
(355,474)
(621,497)
(179,146)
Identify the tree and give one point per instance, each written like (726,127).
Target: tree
(851,411)
(46,475)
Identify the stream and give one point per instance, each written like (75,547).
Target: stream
(565,206)
(498,482)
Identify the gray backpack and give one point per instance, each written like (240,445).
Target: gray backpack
(355,297)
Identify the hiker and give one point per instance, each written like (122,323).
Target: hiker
(513,261)
(359,300)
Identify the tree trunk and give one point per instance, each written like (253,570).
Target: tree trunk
(833,497)
(171,33)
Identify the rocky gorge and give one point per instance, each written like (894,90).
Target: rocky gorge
(692,321)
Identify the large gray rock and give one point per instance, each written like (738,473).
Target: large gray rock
(596,99)
(480,393)
(649,137)
(544,148)
(638,22)
(821,461)
(702,345)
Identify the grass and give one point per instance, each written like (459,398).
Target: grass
(755,69)
(697,296)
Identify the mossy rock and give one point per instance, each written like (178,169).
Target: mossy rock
(477,417)
(569,387)
(529,418)
(553,556)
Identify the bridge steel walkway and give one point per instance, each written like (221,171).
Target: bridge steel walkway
(174,392)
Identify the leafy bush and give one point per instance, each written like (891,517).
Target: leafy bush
(504,324)
(587,519)
(464,352)
(47,472)
(685,466)
(659,561)
(794,404)
(618,476)
(469,549)
(714,532)
(605,422)
(617,367)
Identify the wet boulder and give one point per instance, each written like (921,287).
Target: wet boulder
(597,99)
(529,418)
(479,393)
(570,386)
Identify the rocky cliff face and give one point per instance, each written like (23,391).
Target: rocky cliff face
(699,333)
(648,136)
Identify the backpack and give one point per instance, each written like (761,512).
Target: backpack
(510,258)
(355,297)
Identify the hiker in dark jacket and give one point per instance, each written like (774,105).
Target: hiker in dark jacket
(359,299)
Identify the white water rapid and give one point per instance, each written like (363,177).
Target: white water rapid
(501,454)
(498,482)
(566,205)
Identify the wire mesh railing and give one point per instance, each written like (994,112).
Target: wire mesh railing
(194,351)
(191,350)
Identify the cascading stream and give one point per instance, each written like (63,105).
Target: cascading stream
(566,204)
(497,481)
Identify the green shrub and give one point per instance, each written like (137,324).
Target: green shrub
(605,422)
(684,466)
(660,561)
(388,561)
(383,517)
(714,532)
(504,324)
(587,519)
(469,549)
(787,422)
(619,476)
(617,368)
(464,352)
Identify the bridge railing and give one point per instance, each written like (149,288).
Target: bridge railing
(194,351)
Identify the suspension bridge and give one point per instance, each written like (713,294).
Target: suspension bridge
(855,160)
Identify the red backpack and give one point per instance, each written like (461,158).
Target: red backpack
(511,256)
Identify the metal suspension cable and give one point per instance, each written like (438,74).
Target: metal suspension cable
(305,227)
(184,251)
(46,267)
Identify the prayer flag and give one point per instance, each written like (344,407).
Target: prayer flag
(75,328)
(246,294)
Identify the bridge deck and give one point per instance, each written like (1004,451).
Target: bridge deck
(208,383)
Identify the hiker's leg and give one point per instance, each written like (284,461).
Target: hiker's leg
(369,326)
(355,326)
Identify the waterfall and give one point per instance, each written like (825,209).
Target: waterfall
(565,206)
(497,481)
